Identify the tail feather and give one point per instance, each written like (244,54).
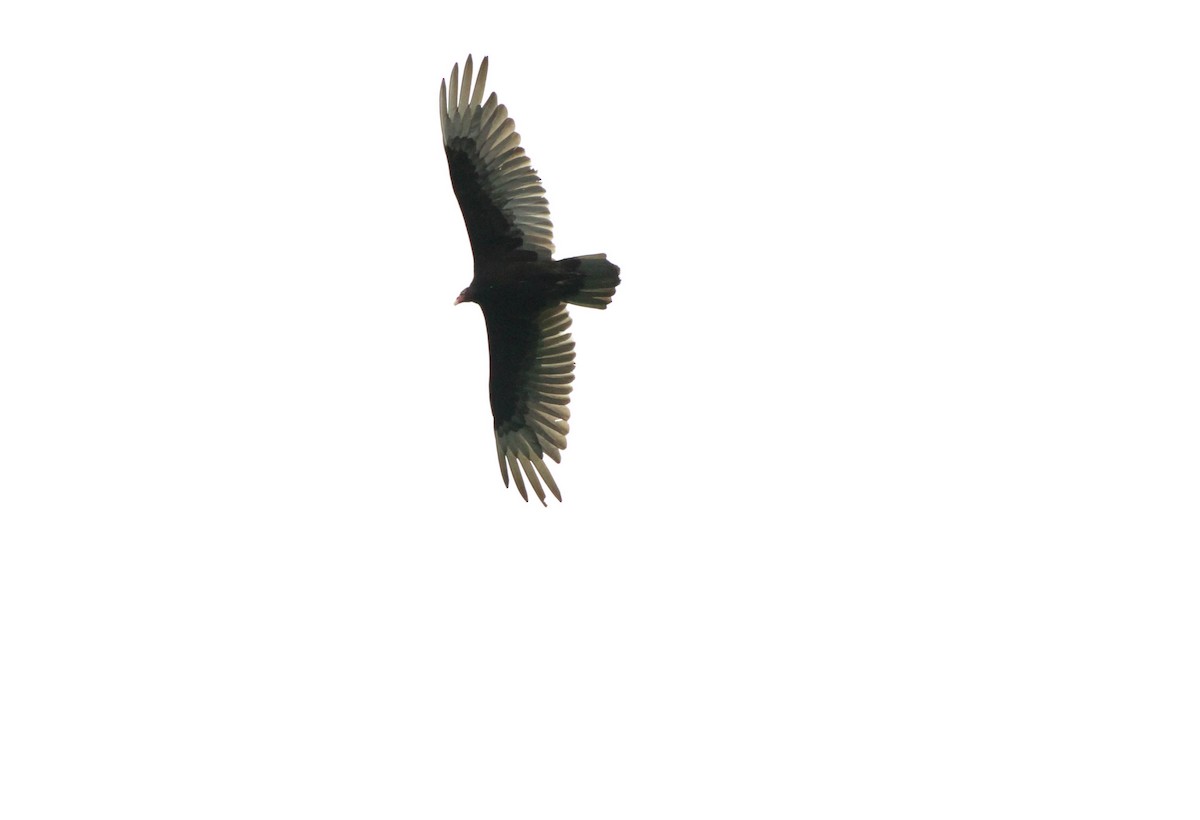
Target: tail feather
(597,279)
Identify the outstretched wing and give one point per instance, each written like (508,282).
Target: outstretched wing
(501,196)
(532,360)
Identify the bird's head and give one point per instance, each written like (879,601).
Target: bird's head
(467,295)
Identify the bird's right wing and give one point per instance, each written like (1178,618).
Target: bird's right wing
(532,367)
(501,196)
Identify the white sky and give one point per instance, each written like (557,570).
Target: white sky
(881,493)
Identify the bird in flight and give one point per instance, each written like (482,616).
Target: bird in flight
(521,289)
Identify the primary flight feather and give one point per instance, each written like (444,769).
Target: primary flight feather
(522,291)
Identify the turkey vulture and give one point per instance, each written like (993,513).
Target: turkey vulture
(522,291)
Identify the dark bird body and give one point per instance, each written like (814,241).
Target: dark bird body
(521,289)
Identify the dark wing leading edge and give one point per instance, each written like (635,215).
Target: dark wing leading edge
(501,196)
(533,359)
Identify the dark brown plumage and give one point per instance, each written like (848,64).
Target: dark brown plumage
(521,289)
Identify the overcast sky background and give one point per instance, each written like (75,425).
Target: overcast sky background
(881,493)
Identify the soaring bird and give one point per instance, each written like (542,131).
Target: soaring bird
(522,290)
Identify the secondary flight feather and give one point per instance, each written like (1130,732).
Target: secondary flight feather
(521,289)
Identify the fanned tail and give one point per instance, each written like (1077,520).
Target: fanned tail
(598,280)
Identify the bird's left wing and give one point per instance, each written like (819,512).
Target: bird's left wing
(532,367)
(501,196)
